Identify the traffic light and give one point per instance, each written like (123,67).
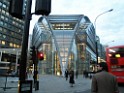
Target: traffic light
(40,56)
(32,53)
(43,7)
(16,8)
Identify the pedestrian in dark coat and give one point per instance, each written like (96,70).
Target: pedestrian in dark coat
(85,73)
(104,82)
(71,80)
(66,74)
(76,74)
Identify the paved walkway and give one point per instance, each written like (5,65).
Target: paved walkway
(54,84)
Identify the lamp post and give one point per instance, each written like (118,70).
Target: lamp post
(97,53)
(110,10)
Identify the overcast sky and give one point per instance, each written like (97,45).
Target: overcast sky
(109,26)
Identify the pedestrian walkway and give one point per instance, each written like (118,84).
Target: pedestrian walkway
(57,84)
(50,84)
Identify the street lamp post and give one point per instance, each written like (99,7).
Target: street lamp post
(44,10)
(22,76)
(97,53)
(95,31)
(100,15)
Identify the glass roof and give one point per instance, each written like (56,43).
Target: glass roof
(63,26)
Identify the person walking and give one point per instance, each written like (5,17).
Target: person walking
(76,73)
(71,79)
(66,74)
(85,73)
(104,82)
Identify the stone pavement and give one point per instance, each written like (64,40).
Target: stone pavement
(54,84)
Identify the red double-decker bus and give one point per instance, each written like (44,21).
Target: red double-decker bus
(115,61)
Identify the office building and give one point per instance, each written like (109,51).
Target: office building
(11,28)
(11,31)
(67,41)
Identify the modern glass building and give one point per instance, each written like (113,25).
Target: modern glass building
(67,41)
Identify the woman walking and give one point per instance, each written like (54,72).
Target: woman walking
(71,79)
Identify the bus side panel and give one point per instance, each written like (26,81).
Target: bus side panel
(120,76)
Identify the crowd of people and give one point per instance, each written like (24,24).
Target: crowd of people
(102,80)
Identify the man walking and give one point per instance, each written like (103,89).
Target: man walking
(104,82)
(66,74)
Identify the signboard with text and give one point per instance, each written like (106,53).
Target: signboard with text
(25,86)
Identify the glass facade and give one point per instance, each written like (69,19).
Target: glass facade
(68,42)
